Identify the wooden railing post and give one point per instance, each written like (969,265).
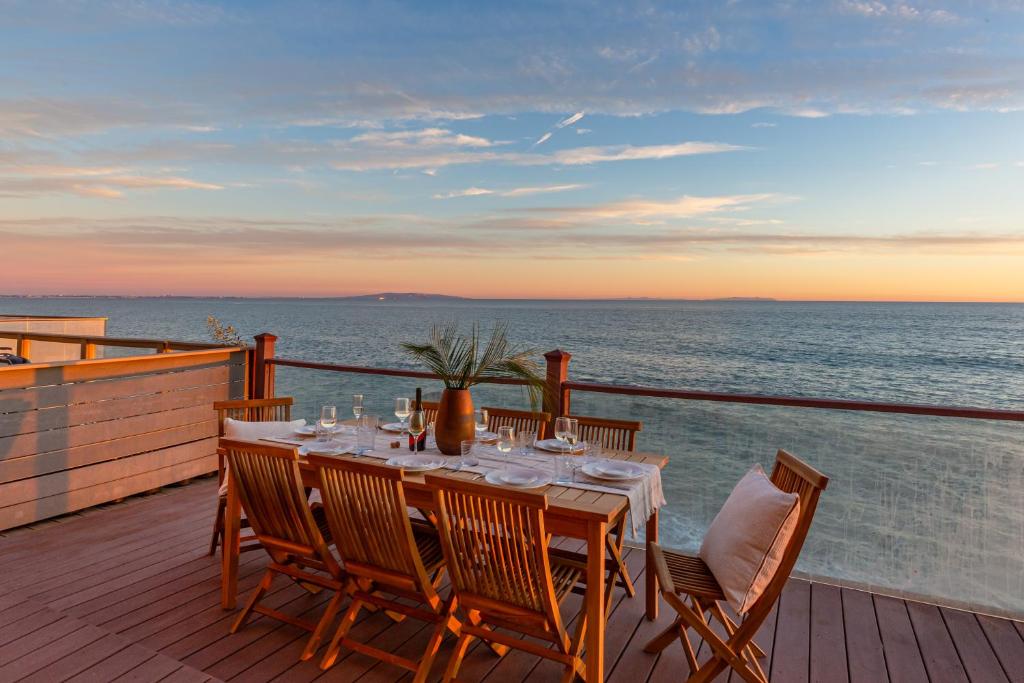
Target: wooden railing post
(263,372)
(24,347)
(88,350)
(556,396)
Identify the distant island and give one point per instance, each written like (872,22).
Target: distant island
(402,297)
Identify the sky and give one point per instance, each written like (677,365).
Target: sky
(837,150)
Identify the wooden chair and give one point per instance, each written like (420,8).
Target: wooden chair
(430,411)
(270,489)
(247,410)
(383,550)
(686,575)
(618,435)
(503,573)
(518,420)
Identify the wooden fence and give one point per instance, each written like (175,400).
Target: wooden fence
(78,433)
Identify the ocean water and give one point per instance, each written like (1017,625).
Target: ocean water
(916,505)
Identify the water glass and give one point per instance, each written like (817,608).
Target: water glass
(592,452)
(431,438)
(467,459)
(562,469)
(357,405)
(329,416)
(480,424)
(525,441)
(366,434)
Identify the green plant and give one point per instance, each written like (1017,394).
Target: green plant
(223,334)
(463,360)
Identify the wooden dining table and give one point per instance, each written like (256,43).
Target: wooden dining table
(572,513)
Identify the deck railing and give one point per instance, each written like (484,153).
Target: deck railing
(88,344)
(920,490)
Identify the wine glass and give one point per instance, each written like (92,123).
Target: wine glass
(402,410)
(506,440)
(417,425)
(572,433)
(357,405)
(480,424)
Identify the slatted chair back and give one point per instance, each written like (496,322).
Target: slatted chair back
(254,410)
(618,435)
(496,547)
(430,411)
(369,522)
(269,486)
(518,420)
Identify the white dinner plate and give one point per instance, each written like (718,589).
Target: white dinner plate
(485,437)
(519,477)
(556,446)
(325,449)
(393,427)
(616,470)
(310,430)
(417,463)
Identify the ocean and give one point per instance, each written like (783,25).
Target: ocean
(919,506)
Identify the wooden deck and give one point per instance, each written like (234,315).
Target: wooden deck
(127,593)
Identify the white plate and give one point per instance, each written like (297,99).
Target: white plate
(417,463)
(616,470)
(310,430)
(486,436)
(393,427)
(519,477)
(325,449)
(556,446)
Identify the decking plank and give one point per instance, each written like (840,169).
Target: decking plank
(1008,644)
(792,634)
(977,655)
(828,641)
(865,656)
(111,668)
(55,650)
(902,653)
(940,657)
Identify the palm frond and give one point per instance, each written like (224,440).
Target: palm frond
(463,360)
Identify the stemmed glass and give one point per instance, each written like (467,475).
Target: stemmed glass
(402,410)
(357,405)
(566,431)
(480,417)
(506,439)
(417,425)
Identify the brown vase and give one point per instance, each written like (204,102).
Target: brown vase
(454,423)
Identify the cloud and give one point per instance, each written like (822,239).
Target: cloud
(542,139)
(583,131)
(876,9)
(592,155)
(570,120)
(763,124)
(99,182)
(426,137)
(514,192)
(468,192)
(644,209)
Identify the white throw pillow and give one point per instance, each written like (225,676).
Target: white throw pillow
(254,431)
(745,542)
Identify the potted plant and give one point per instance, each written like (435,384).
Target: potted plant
(463,360)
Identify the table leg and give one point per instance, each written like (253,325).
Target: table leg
(651,578)
(229,550)
(596,533)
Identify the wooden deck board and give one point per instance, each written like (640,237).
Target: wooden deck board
(126,592)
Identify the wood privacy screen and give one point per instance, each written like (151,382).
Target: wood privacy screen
(78,433)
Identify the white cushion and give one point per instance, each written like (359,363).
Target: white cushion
(254,431)
(745,542)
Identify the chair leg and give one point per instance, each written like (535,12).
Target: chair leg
(665,638)
(218,525)
(346,623)
(325,621)
(615,542)
(456,659)
(496,648)
(257,594)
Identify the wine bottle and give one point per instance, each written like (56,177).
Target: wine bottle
(418,443)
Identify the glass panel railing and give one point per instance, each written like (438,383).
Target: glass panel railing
(919,506)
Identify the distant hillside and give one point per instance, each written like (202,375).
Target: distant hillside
(403,296)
